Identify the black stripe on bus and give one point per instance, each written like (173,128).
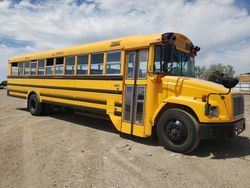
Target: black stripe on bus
(116,113)
(17,91)
(74,98)
(94,77)
(90,109)
(117,104)
(69,88)
(17,96)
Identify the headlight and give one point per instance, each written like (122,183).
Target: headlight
(211,111)
(214,111)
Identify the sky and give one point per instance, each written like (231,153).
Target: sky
(220,28)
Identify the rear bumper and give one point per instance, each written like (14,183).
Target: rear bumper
(221,130)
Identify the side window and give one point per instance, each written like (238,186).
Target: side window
(20,68)
(33,68)
(27,68)
(14,69)
(41,63)
(82,64)
(131,65)
(59,65)
(143,63)
(96,63)
(113,65)
(49,66)
(70,65)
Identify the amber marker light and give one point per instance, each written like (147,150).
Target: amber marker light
(204,98)
(158,78)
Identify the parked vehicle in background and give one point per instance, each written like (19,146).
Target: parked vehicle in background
(144,84)
(3,84)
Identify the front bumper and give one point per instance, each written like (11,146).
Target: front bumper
(221,130)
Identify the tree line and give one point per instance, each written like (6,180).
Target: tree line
(215,72)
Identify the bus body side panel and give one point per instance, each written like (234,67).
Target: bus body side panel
(102,95)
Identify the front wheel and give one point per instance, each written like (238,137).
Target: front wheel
(178,131)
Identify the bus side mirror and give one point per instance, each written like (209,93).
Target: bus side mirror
(230,82)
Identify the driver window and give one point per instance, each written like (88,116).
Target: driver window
(158,59)
(162,52)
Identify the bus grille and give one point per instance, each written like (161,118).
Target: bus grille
(238,105)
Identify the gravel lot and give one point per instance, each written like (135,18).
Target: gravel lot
(70,150)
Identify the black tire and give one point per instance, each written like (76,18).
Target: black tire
(35,107)
(178,131)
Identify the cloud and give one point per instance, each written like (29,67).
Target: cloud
(236,55)
(221,28)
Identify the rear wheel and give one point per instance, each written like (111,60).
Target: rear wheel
(178,131)
(35,106)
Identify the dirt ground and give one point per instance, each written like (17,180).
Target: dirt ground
(70,150)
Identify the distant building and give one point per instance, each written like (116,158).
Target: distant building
(244,84)
(244,77)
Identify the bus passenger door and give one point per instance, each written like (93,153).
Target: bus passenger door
(135,92)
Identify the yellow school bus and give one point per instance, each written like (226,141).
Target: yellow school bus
(144,84)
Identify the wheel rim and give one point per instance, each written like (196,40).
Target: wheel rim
(176,131)
(32,104)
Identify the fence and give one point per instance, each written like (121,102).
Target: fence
(243,86)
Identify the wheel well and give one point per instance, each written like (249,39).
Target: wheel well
(178,106)
(31,93)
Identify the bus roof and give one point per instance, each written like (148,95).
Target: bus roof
(129,42)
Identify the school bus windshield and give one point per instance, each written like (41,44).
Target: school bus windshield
(171,61)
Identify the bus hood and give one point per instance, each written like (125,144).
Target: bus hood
(186,86)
